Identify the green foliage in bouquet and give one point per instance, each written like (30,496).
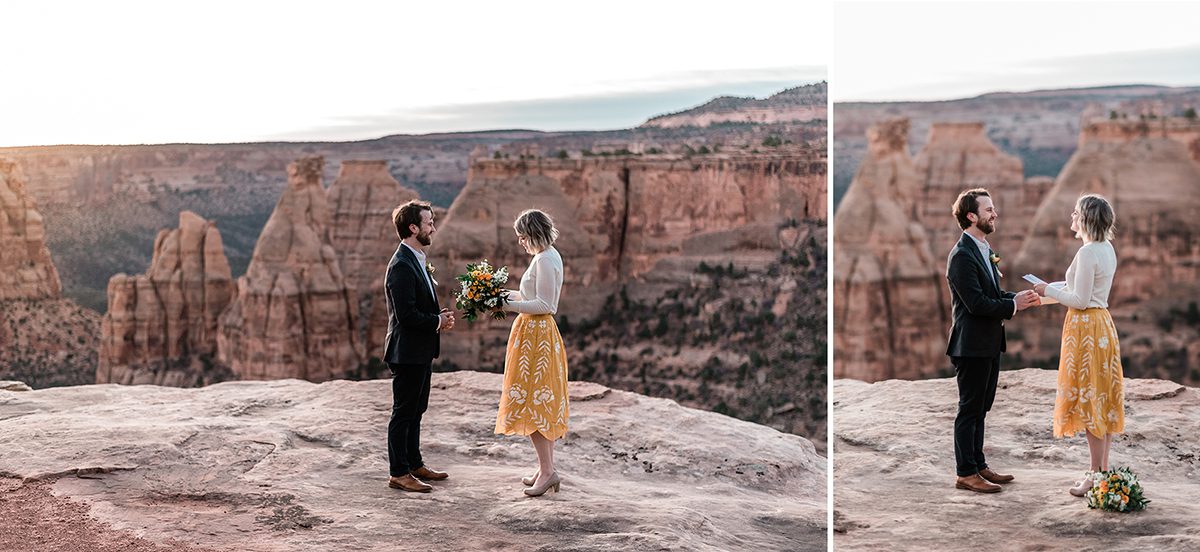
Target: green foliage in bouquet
(1116,490)
(482,291)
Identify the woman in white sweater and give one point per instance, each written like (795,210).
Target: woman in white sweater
(1090,394)
(533,401)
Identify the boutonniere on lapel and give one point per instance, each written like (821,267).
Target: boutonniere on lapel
(429,268)
(995,258)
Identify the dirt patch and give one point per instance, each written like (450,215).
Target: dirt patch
(37,521)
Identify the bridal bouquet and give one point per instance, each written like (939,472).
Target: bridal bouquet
(482,290)
(1117,490)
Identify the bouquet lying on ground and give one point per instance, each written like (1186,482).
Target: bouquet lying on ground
(1117,490)
(482,291)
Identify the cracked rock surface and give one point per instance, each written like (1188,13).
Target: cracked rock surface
(292,465)
(894,474)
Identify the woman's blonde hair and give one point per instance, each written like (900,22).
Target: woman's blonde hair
(1096,218)
(537,227)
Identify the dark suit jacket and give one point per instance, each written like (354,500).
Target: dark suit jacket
(412,336)
(980,307)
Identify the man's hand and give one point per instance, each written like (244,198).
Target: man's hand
(447,317)
(1026,299)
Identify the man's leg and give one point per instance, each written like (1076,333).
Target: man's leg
(989,396)
(406,381)
(422,404)
(972,375)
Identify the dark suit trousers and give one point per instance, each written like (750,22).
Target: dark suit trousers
(410,398)
(977,378)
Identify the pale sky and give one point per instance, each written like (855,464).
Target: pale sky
(888,51)
(121,72)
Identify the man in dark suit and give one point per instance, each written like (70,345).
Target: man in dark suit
(980,308)
(414,323)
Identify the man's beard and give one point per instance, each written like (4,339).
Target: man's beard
(987,226)
(424,239)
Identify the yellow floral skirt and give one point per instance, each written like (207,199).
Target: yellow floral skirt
(534,395)
(1091,394)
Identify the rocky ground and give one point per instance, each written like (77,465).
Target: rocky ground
(894,475)
(291,465)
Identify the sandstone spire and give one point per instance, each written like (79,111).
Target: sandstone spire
(161,326)
(295,316)
(957,157)
(890,318)
(362,199)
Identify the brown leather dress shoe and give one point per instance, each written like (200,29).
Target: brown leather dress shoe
(409,483)
(994,477)
(977,484)
(426,473)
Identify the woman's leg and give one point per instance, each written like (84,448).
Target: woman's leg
(545,452)
(1096,450)
(1107,446)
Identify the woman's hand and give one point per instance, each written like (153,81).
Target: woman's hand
(1040,289)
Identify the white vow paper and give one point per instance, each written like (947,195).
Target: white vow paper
(1033,279)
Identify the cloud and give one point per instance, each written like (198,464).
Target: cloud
(628,104)
(1178,66)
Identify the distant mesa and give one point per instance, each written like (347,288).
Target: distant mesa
(799,104)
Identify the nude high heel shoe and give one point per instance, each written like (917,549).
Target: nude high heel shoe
(551,483)
(528,481)
(1081,487)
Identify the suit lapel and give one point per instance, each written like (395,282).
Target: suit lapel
(411,258)
(968,243)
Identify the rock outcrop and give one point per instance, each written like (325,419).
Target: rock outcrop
(294,316)
(891,308)
(1150,172)
(894,478)
(45,340)
(956,157)
(161,326)
(26,270)
(625,220)
(290,465)
(361,232)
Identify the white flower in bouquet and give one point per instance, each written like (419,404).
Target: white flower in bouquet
(502,275)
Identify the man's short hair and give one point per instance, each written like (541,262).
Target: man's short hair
(967,202)
(409,213)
